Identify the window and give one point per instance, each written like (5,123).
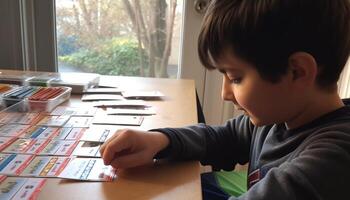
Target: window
(119,37)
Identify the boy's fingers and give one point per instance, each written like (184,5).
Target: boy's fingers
(130,160)
(116,145)
(103,147)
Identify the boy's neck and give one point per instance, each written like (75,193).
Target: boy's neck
(316,108)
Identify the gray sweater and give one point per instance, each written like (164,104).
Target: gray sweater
(309,162)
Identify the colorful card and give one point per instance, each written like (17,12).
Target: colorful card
(88,169)
(62,133)
(36,166)
(6,141)
(87,149)
(26,146)
(25,118)
(118,120)
(38,146)
(79,122)
(126,111)
(15,164)
(101,97)
(13,130)
(55,166)
(5,159)
(9,186)
(59,148)
(20,146)
(30,190)
(75,111)
(40,132)
(45,166)
(66,148)
(54,120)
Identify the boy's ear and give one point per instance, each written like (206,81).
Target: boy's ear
(303,68)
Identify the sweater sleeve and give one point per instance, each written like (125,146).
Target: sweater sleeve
(321,171)
(219,146)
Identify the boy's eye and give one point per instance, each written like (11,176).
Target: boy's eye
(236,80)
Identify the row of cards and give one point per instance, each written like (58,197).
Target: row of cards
(93,134)
(88,169)
(50,147)
(71,121)
(19,188)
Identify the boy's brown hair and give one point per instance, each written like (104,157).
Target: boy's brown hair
(266,32)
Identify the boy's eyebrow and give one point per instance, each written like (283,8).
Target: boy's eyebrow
(222,71)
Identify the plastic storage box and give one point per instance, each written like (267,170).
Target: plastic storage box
(42,105)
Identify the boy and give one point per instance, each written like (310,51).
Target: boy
(281,60)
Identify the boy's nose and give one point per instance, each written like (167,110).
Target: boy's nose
(227,91)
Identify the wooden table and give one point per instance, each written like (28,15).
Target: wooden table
(164,181)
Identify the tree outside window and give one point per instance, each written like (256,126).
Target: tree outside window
(119,37)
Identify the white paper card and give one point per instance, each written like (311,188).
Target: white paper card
(118,120)
(88,169)
(30,190)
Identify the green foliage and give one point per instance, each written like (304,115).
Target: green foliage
(118,56)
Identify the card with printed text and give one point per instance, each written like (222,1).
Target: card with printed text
(88,169)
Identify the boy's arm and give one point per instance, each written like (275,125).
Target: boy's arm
(220,146)
(320,172)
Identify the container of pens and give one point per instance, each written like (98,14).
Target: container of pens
(40,98)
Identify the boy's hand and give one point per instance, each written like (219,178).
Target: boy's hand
(131,148)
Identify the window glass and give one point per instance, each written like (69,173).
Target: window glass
(119,37)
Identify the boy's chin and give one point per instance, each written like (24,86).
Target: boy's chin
(258,122)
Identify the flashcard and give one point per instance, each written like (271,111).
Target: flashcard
(122,104)
(13,130)
(123,111)
(87,149)
(88,169)
(118,120)
(19,146)
(101,97)
(98,133)
(30,190)
(36,166)
(48,133)
(79,122)
(54,120)
(38,146)
(59,147)
(7,117)
(66,148)
(40,132)
(6,141)
(45,166)
(25,118)
(52,147)
(5,159)
(16,164)
(75,133)
(55,166)
(9,186)
(62,133)
(32,132)
(103,91)
(142,94)
(76,111)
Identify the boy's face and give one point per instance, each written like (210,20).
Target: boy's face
(264,102)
